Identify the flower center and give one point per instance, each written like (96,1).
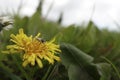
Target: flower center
(36,47)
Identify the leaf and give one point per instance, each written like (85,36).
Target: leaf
(78,63)
(104,70)
(72,54)
(77,73)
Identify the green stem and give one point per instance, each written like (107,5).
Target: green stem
(52,72)
(47,73)
(115,68)
(20,68)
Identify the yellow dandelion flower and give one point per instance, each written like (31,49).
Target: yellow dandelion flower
(34,50)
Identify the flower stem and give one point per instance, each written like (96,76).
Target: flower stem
(47,73)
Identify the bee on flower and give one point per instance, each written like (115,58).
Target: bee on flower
(34,50)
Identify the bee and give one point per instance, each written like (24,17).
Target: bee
(41,40)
